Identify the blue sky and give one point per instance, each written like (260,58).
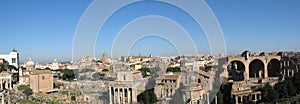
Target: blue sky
(45,29)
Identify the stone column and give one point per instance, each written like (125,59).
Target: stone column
(242,98)
(260,74)
(110,92)
(170,92)
(128,96)
(6,84)
(266,70)
(123,94)
(114,95)
(119,102)
(162,92)
(1,83)
(2,100)
(236,99)
(246,75)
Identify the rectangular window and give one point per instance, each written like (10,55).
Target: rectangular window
(13,60)
(43,77)
(124,77)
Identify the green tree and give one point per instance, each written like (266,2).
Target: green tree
(22,87)
(28,92)
(296,82)
(147,97)
(269,95)
(291,89)
(281,89)
(176,69)
(220,98)
(206,68)
(56,85)
(73,98)
(145,69)
(12,67)
(67,74)
(226,91)
(105,70)
(2,67)
(98,75)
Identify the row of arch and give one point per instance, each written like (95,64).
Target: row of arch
(238,70)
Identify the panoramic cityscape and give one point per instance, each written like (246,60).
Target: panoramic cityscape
(149,52)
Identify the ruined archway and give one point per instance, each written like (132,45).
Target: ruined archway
(274,68)
(256,69)
(236,70)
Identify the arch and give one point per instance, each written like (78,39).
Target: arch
(236,70)
(256,69)
(274,68)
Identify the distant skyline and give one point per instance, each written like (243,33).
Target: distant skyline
(44,30)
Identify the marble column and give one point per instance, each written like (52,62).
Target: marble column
(2,100)
(123,94)
(119,100)
(242,98)
(128,95)
(163,94)
(170,92)
(6,84)
(236,100)
(115,95)
(110,94)
(266,70)
(1,83)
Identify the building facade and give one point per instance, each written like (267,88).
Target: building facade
(167,85)
(249,72)
(127,86)
(41,81)
(12,58)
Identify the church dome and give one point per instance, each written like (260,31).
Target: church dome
(30,62)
